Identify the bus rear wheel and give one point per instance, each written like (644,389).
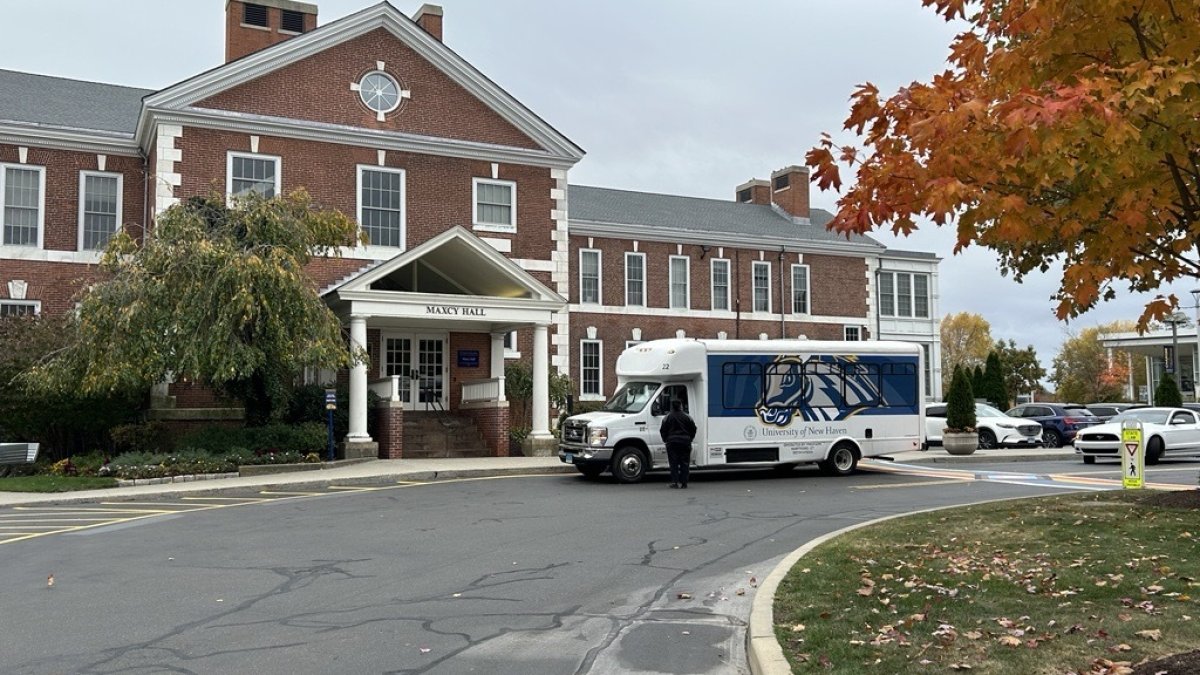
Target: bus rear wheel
(842,461)
(628,465)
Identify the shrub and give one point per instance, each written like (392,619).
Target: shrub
(307,404)
(960,404)
(301,439)
(1167,392)
(147,436)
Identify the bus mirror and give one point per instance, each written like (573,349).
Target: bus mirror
(656,408)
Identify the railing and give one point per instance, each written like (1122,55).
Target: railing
(481,391)
(387,388)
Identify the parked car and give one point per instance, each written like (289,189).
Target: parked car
(1060,421)
(1165,431)
(1107,411)
(996,430)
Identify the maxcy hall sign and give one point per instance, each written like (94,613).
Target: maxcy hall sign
(454,310)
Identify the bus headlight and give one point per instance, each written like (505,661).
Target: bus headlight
(597,435)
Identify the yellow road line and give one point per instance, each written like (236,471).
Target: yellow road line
(33,517)
(47,509)
(291,493)
(355,488)
(240,500)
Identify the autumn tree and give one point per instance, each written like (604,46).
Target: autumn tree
(1061,131)
(218,294)
(1023,372)
(1084,372)
(966,340)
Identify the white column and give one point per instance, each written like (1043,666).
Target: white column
(358,383)
(498,362)
(541,384)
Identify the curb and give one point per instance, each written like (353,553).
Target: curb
(1057,456)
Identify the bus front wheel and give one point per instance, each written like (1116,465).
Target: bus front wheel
(628,465)
(842,461)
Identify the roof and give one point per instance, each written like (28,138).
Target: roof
(697,214)
(70,104)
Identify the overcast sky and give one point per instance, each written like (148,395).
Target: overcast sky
(689,97)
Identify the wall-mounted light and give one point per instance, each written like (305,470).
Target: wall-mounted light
(704,249)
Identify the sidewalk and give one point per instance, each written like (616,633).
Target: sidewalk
(429,469)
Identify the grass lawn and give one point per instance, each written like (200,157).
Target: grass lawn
(1080,583)
(54,483)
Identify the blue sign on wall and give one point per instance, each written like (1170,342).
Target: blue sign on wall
(468,358)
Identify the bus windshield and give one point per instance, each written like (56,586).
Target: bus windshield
(631,397)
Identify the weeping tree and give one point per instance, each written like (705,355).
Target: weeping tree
(217,294)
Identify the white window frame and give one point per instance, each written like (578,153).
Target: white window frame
(754,265)
(229,156)
(642,256)
(599,276)
(687,282)
(848,330)
(35,304)
(510,345)
(358,188)
(83,176)
(493,227)
(712,284)
(911,305)
(41,219)
(598,395)
(807,289)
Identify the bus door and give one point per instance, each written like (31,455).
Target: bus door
(659,410)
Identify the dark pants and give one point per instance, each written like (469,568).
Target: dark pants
(679,456)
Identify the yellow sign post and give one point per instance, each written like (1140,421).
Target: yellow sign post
(1133,456)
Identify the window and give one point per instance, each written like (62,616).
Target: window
(381,205)
(379,92)
(782,181)
(633,343)
(254,15)
(23,198)
(800,289)
(291,21)
(680,293)
(635,279)
(253,173)
(495,205)
(589,369)
(720,285)
(510,345)
(904,294)
(99,208)
(853,333)
(589,276)
(741,385)
(762,286)
(928,366)
(19,308)
(745,195)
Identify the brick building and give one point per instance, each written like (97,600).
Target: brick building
(480,251)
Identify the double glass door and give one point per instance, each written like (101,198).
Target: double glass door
(420,361)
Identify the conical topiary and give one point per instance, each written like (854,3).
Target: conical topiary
(1167,392)
(960,404)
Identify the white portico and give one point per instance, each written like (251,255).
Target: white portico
(452,288)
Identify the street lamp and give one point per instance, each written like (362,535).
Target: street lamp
(1174,320)
(1196,356)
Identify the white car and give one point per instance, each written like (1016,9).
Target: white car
(1167,432)
(996,430)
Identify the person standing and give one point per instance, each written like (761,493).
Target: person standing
(678,431)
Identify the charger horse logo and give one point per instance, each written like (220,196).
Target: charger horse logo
(813,389)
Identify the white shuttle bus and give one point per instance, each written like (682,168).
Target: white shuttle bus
(756,403)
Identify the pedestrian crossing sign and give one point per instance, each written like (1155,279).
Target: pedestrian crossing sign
(1133,456)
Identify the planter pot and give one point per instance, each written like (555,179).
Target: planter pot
(960,443)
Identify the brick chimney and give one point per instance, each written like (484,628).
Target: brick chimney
(789,190)
(753,191)
(251,26)
(429,18)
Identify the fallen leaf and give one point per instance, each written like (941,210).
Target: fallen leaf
(684,596)
(425,650)
(1009,641)
(865,591)
(798,627)
(1151,634)
(972,635)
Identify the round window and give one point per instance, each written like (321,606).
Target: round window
(379,91)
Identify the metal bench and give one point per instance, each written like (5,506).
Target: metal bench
(18,453)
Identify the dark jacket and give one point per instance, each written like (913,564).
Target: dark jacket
(677,427)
